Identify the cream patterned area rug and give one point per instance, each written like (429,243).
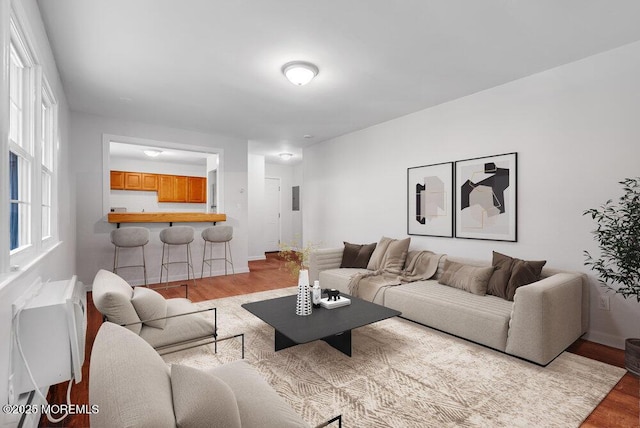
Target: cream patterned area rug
(406,375)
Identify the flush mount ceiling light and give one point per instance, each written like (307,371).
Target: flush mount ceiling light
(152,153)
(299,72)
(285,156)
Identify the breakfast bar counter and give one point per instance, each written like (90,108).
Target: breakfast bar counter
(165,217)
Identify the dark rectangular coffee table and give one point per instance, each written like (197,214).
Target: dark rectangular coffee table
(331,325)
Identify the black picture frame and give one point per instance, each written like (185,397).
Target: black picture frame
(430,207)
(486,198)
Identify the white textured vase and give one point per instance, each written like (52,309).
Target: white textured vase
(303,302)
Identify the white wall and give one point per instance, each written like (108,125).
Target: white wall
(256,206)
(95,250)
(60,262)
(576,131)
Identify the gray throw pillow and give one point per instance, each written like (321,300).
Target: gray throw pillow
(356,256)
(149,304)
(202,400)
(472,279)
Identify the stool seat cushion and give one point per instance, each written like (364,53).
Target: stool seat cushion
(218,233)
(130,237)
(177,235)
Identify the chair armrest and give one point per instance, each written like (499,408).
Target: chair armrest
(330,421)
(323,259)
(546,317)
(215,315)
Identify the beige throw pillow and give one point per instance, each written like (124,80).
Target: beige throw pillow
(396,255)
(150,305)
(472,279)
(202,400)
(375,262)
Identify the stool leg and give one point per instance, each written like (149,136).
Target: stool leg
(230,257)
(225,258)
(115,260)
(144,268)
(204,252)
(190,265)
(162,263)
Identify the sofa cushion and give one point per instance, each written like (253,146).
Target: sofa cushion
(473,279)
(482,319)
(356,255)
(129,381)
(260,405)
(149,305)
(339,278)
(202,400)
(112,297)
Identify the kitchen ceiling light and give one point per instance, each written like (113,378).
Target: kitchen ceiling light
(152,153)
(300,72)
(285,156)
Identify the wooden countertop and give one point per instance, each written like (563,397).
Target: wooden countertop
(165,217)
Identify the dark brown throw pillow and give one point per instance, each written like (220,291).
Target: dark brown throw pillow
(502,272)
(511,273)
(522,273)
(356,255)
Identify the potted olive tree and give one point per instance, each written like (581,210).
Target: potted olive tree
(618,265)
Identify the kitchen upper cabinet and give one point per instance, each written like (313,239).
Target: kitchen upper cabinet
(166,188)
(117,180)
(126,180)
(197,190)
(149,181)
(170,188)
(132,181)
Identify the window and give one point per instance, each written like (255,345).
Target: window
(32,149)
(20,148)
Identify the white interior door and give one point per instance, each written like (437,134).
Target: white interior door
(272,214)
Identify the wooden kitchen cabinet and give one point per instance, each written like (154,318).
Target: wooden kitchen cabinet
(170,188)
(132,181)
(197,190)
(117,180)
(149,181)
(166,188)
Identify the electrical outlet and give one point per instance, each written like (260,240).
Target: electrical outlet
(603,303)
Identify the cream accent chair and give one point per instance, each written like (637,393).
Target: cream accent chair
(166,324)
(133,387)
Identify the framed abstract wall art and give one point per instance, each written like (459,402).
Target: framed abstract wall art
(430,200)
(486,195)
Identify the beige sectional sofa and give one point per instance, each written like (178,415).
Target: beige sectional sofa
(544,318)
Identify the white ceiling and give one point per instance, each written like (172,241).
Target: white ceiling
(215,66)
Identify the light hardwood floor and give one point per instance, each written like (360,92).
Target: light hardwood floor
(621,408)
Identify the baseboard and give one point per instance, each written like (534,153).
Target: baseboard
(256,258)
(605,339)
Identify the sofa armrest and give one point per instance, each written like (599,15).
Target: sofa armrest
(322,259)
(546,317)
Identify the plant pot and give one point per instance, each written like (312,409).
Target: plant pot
(632,356)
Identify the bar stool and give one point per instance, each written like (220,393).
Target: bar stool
(217,235)
(130,237)
(176,235)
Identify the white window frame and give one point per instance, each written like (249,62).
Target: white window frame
(39,131)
